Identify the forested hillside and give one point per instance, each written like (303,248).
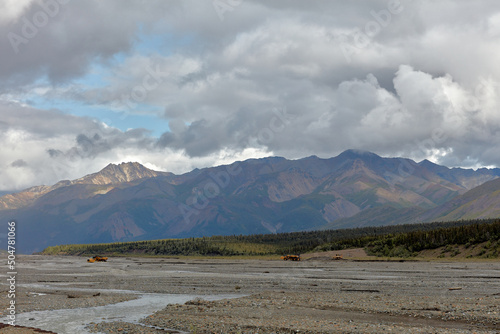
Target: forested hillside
(412,243)
(401,241)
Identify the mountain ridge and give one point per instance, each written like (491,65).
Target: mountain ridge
(112,174)
(131,202)
(120,173)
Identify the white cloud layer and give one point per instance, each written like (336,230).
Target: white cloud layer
(254,78)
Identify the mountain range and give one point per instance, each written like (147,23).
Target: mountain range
(128,201)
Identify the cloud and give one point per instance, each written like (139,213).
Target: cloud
(59,39)
(50,145)
(284,77)
(11,9)
(19,163)
(53,146)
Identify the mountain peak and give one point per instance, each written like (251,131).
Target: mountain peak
(123,172)
(124,166)
(357,154)
(431,165)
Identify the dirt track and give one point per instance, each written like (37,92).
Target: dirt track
(314,296)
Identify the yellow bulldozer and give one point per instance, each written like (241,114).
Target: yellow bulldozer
(338,257)
(97,259)
(290,257)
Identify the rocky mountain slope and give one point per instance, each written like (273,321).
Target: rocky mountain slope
(130,202)
(109,177)
(480,202)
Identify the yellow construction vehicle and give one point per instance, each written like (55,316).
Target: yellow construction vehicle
(338,257)
(98,259)
(291,257)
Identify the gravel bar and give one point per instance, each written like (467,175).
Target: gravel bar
(316,296)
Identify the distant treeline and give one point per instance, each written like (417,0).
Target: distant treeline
(405,240)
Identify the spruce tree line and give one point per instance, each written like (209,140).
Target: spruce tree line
(408,239)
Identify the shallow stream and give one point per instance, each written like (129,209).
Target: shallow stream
(72,321)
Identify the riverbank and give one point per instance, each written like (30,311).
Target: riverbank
(314,296)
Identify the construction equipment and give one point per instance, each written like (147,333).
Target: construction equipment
(338,257)
(291,257)
(98,259)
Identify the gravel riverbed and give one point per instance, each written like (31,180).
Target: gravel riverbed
(314,296)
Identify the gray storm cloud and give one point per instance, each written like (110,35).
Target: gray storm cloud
(290,78)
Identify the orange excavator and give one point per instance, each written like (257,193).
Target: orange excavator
(97,259)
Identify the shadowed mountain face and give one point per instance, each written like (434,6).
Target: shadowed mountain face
(131,202)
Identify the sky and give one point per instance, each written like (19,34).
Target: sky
(177,85)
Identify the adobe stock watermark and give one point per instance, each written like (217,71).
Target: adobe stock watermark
(405,168)
(221,7)
(153,78)
(11,272)
(206,191)
(29,27)
(211,189)
(276,125)
(439,136)
(481,93)
(361,38)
